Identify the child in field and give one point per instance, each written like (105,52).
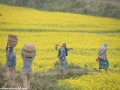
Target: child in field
(102,57)
(63,52)
(10,63)
(27,62)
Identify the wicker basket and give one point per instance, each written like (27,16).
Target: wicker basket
(29,50)
(12,40)
(11,35)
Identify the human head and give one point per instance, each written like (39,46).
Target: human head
(64,45)
(105,44)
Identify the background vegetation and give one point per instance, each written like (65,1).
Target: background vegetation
(105,8)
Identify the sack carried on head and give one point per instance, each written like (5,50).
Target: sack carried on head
(29,50)
(12,40)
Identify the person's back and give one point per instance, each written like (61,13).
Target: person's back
(27,62)
(62,52)
(11,60)
(28,54)
(10,64)
(102,52)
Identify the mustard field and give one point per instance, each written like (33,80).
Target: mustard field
(109,81)
(85,34)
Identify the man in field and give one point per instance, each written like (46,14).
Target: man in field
(10,63)
(102,57)
(63,52)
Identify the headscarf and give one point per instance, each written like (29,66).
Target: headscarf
(105,44)
(103,49)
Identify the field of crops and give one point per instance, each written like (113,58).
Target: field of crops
(85,34)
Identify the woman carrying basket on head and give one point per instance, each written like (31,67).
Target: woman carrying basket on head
(10,57)
(28,54)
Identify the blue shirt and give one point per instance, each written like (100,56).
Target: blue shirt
(27,62)
(11,60)
(62,54)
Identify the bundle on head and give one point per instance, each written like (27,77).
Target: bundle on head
(12,40)
(29,50)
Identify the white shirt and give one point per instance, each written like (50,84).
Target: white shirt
(102,53)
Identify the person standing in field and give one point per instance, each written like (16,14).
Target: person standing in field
(102,57)
(10,63)
(10,57)
(28,54)
(63,52)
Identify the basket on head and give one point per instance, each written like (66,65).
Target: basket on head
(29,50)
(12,40)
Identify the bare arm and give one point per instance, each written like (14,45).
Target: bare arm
(7,47)
(56,46)
(7,51)
(34,54)
(23,56)
(69,49)
(97,59)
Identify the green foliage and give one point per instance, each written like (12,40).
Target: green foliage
(97,8)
